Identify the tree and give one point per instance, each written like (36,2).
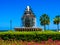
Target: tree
(57,21)
(44,20)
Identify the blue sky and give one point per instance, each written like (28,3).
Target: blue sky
(14,9)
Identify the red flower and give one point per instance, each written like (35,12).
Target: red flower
(29,43)
(50,40)
(43,42)
(36,44)
(56,41)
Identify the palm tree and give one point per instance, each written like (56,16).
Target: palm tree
(57,21)
(44,20)
(48,23)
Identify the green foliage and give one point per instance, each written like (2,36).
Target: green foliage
(44,20)
(57,21)
(30,36)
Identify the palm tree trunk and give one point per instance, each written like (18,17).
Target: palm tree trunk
(48,27)
(57,27)
(44,27)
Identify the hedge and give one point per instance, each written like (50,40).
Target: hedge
(30,36)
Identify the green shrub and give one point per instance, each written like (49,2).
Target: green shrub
(30,36)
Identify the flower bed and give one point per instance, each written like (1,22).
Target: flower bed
(17,42)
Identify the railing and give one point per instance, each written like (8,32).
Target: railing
(28,29)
